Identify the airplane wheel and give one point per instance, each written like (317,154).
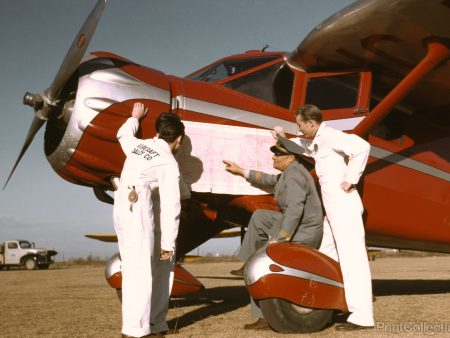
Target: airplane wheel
(286,317)
(30,264)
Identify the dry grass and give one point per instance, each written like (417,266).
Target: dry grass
(75,301)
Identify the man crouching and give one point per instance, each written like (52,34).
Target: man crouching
(300,218)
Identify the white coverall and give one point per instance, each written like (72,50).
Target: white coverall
(342,157)
(144,228)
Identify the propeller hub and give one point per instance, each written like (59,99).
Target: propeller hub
(33,100)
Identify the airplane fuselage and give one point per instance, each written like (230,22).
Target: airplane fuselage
(228,115)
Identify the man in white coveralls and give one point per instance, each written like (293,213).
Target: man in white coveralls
(146,220)
(340,161)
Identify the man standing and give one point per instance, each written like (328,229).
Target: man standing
(300,219)
(146,219)
(340,161)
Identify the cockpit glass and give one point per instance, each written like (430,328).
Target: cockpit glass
(225,69)
(333,92)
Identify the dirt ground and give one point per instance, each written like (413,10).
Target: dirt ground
(413,299)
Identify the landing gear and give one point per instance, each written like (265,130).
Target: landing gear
(286,317)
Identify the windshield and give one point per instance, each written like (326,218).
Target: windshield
(225,69)
(333,92)
(25,245)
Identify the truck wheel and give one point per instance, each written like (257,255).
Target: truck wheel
(286,317)
(43,266)
(30,264)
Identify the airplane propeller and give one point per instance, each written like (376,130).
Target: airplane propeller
(47,105)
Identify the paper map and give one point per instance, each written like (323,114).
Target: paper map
(207,145)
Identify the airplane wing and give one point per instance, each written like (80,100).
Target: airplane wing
(387,37)
(112,238)
(103,237)
(228,234)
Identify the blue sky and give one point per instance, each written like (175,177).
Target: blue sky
(174,36)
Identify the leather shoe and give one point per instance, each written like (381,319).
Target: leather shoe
(239,272)
(351,327)
(170,331)
(260,324)
(165,333)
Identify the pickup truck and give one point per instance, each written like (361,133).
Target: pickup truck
(23,253)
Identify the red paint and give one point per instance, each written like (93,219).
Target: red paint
(437,53)
(297,290)
(183,284)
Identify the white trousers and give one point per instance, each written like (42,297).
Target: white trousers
(146,281)
(344,241)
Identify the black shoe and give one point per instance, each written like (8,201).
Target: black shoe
(351,327)
(239,272)
(260,324)
(167,332)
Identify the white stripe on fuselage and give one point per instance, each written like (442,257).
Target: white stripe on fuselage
(269,122)
(256,119)
(407,162)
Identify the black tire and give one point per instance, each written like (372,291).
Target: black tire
(30,264)
(286,317)
(43,266)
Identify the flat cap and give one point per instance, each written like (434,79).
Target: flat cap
(290,146)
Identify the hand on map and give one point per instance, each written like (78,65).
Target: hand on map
(233,168)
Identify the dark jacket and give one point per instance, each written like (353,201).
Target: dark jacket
(296,195)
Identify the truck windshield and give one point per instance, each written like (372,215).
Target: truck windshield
(25,244)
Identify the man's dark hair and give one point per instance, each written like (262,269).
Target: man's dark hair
(169,127)
(309,112)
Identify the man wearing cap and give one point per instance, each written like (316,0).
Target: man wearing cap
(340,161)
(300,218)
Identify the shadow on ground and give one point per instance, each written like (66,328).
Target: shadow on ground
(398,287)
(221,300)
(215,301)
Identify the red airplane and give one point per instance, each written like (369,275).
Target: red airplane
(377,68)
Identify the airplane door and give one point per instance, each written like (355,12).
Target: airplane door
(343,98)
(12,253)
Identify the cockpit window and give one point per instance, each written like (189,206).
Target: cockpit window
(228,68)
(272,84)
(333,92)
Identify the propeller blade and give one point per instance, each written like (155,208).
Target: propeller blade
(34,128)
(76,51)
(44,105)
